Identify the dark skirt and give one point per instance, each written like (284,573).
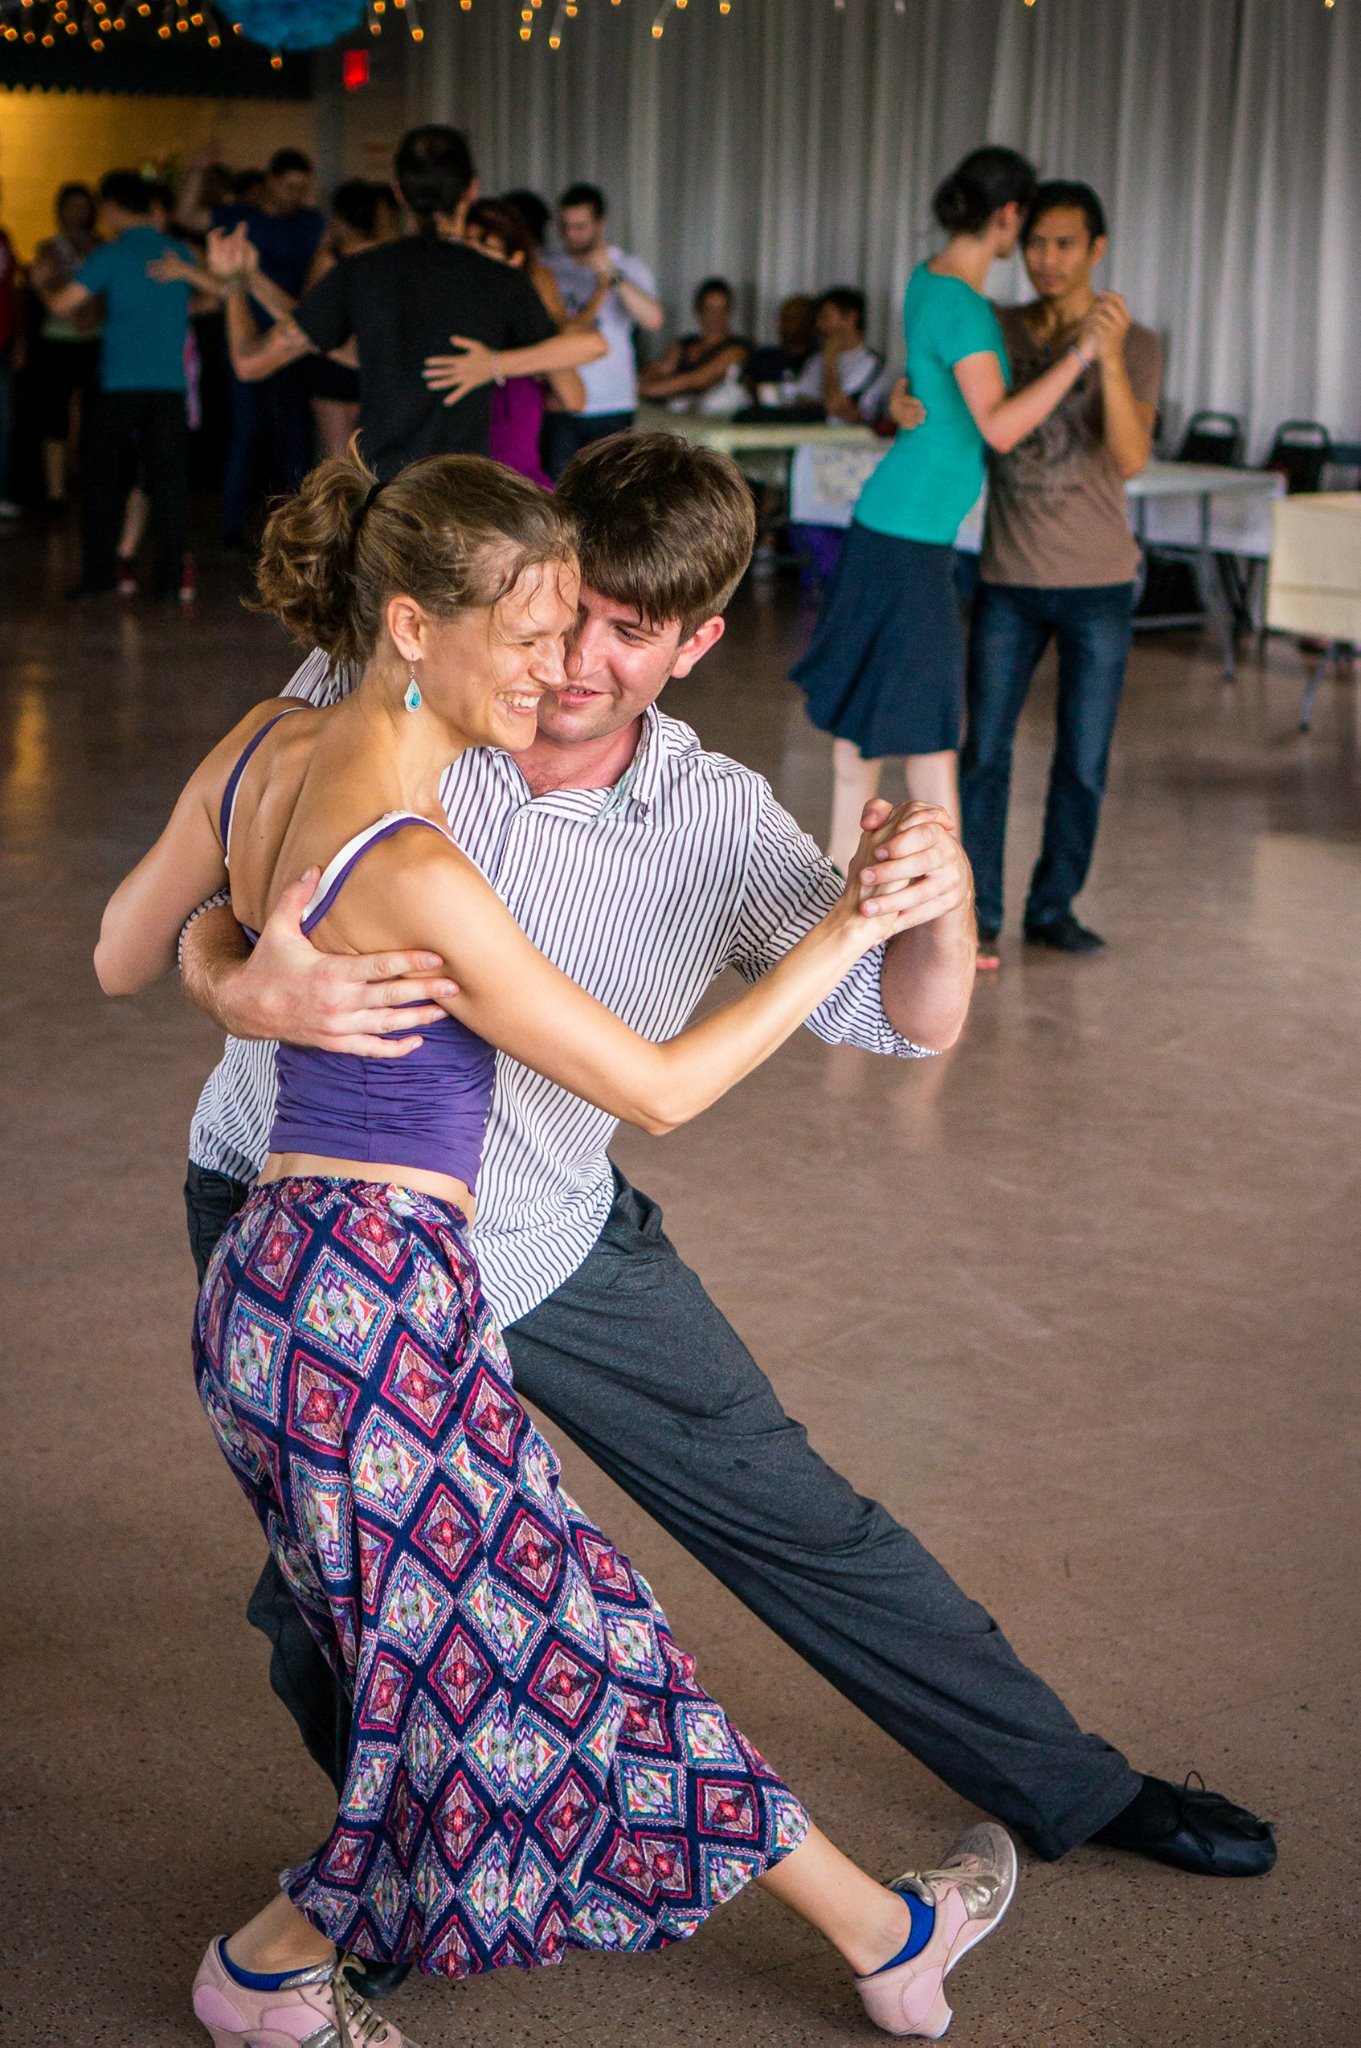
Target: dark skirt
(886,665)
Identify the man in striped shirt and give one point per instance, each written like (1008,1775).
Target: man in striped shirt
(643,865)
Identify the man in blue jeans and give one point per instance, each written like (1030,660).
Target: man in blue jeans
(1058,563)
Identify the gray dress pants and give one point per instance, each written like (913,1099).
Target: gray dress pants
(632,1361)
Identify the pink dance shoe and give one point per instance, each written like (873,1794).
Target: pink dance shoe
(970,1892)
(316,2008)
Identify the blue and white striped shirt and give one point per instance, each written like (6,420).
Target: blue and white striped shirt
(642,894)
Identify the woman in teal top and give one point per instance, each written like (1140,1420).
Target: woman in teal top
(885,671)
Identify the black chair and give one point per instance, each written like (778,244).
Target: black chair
(1300,451)
(1345,456)
(1212,437)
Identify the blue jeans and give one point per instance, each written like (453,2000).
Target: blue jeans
(1012,626)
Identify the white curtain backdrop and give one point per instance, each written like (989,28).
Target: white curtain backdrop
(793,144)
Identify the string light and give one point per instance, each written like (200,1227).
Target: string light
(96,22)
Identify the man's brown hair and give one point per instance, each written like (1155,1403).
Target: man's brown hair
(664,525)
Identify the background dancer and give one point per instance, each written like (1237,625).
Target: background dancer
(590,261)
(885,671)
(1059,562)
(517,405)
(410,298)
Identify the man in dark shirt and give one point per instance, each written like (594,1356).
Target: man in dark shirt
(406,300)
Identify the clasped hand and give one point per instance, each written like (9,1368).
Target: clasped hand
(231,252)
(1105,326)
(909,868)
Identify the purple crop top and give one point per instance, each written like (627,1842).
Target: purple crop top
(428,1109)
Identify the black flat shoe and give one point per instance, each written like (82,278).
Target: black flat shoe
(1065,935)
(1192,1829)
(380,1980)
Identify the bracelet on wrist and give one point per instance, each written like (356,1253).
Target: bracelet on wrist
(1075,349)
(220,901)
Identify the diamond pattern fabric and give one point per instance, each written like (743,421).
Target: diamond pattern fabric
(533,1766)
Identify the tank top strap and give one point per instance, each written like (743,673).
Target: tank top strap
(342,864)
(229,794)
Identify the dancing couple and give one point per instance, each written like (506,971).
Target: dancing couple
(530,1765)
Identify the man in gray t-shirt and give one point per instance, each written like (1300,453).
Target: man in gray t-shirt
(594,276)
(1058,562)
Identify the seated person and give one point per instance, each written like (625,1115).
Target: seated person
(845,377)
(848,380)
(779,363)
(704,368)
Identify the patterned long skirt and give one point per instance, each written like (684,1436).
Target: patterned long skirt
(532,1765)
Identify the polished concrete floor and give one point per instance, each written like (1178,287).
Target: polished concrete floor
(1078,1302)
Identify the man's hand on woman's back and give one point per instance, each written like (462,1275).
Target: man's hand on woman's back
(287,988)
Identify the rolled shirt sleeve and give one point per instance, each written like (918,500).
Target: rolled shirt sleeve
(790,886)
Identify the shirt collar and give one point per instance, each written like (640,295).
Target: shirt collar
(637,789)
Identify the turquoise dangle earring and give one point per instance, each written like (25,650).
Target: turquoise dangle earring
(411,696)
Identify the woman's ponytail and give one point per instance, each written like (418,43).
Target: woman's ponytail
(454,532)
(306,574)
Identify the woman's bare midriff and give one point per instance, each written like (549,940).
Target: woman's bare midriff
(311,1166)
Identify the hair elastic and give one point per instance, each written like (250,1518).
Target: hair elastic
(362,514)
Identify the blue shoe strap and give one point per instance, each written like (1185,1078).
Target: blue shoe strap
(256,1980)
(923,1927)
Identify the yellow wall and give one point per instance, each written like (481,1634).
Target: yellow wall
(47,138)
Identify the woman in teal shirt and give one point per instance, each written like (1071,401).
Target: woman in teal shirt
(885,671)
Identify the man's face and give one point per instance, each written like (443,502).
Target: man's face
(581,228)
(289,190)
(75,215)
(1060,254)
(837,327)
(617,664)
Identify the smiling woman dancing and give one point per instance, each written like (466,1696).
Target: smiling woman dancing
(533,1767)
